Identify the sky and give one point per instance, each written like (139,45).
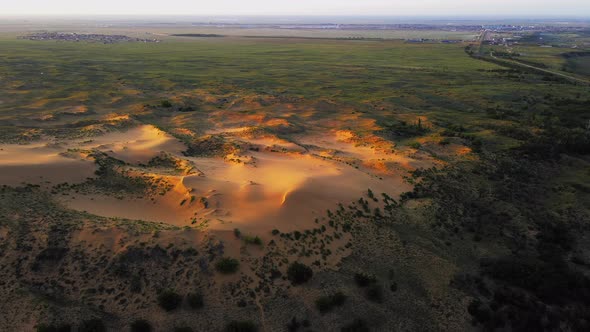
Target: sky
(528,8)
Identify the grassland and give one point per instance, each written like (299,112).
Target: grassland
(476,210)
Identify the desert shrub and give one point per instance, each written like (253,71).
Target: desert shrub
(195,300)
(275,231)
(327,303)
(135,284)
(183,329)
(92,325)
(364,279)
(166,103)
(53,328)
(299,273)
(169,300)
(253,240)
(237,233)
(227,265)
(358,325)
(375,293)
(141,325)
(241,326)
(415,145)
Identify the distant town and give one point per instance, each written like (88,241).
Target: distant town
(92,38)
(409,26)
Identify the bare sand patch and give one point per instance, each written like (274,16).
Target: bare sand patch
(40,163)
(285,189)
(284,184)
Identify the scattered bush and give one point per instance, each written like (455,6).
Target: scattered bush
(375,293)
(169,300)
(141,325)
(358,325)
(327,303)
(299,273)
(227,265)
(53,328)
(364,279)
(183,329)
(166,103)
(415,145)
(253,240)
(195,300)
(241,326)
(92,325)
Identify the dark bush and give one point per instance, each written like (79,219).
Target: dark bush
(195,300)
(92,325)
(166,103)
(183,329)
(327,303)
(227,265)
(53,328)
(299,273)
(241,326)
(364,279)
(358,325)
(141,325)
(375,293)
(169,300)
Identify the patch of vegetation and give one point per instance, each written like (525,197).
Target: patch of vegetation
(252,240)
(364,279)
(357,325)
(53,328)
(327,303)
(195,300)
(169,300)
(92,325)
(141,325)
(227,265)
(241,326)
(299,273)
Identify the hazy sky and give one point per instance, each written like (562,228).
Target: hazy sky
(300,7)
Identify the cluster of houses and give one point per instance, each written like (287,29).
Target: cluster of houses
(93,38)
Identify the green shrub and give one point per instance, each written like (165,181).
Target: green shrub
(241,326)
(415,145)
(141,325)
(299,273)
(253,240)
(169,300)
(195,300)
(227,265)
(166,103)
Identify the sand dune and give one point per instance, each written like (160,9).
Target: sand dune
(285,185)
(40,163)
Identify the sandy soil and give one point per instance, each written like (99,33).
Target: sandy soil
(278,184)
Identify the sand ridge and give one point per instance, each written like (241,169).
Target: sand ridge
(275,183)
